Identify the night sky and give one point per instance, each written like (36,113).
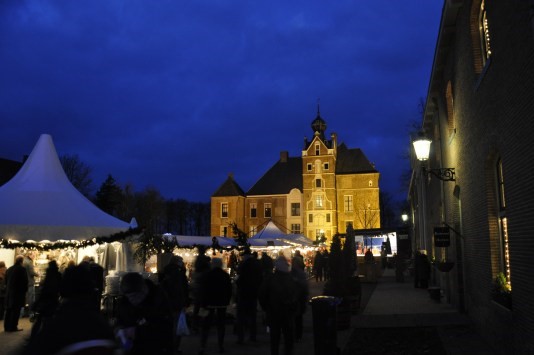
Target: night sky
(178,94)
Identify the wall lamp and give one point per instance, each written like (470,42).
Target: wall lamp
(422,151)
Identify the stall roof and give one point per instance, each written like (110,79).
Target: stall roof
(39,203)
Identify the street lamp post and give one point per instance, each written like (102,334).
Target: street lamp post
(422,151)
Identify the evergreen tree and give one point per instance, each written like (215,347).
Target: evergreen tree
(109,197)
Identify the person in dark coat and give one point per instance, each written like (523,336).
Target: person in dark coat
(215,295)
(174,282)
(267,264)
(318,266)
(144,318)
(299,276)
(201,266)
(2,288)
(249,276)
(48,300)
(75,321)
(278,297)
(16,288)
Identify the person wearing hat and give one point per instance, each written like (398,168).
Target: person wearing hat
(278,296)
(215,295)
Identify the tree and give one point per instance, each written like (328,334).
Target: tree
(109,197)
(78,173)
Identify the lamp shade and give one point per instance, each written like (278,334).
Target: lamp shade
(422,148)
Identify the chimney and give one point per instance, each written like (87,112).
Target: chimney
(283,156)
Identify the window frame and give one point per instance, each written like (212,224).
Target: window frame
(224,209)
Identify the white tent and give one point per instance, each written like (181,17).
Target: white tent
(271,231)
(190,241)
(39,203)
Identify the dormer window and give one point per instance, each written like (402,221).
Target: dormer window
(317,149)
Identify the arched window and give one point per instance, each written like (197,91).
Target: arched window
(503,224)
(450,109)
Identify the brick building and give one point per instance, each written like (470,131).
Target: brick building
(317,194)
(479,115)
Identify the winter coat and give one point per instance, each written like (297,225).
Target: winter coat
(16,286)
(215,288)
(249,277)
(279,296)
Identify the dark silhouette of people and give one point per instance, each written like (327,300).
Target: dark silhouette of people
(48,300)
(144,318)
(249,277)
(417,269)
(30,294)
(75,323)
(267,264)
(201,266)
(174,282)
(215,295)
(318,268)
(278,297)
(299,276)
(325,264)
(16,288)
(3,270)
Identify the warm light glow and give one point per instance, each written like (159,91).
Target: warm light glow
(404,217)
(422,148)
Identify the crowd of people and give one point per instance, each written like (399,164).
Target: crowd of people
(270,292)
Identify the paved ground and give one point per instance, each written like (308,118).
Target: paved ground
(394,318)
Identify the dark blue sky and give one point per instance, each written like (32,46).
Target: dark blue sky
(177,94)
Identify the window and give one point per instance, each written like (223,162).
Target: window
(253,210)
(309,167)
(503,224)
(224,231)
(318,183)
(253,230)
(310,218)
(295,228)
(484,34)
(450,109)
(295,209)
(319,233)
(267,207)
(328,217)
(347,201)
(224,210)
(370,183)
(317,149)
(319,201)
(326,166)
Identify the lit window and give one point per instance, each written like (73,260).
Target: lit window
(253,230)
(319,201)
(295,228)
(224,210)
(295,209)
(267,210)
(503,221)
(347,201)
(253,210)
(483,29)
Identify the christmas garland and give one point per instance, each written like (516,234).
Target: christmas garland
(8,244)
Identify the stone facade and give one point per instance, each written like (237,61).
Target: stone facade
(316,194)
(479,115)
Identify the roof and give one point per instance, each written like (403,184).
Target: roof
(280,179)
(39,203)
(229,188)
(352,161)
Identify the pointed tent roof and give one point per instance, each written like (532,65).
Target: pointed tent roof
(39,203)
(272,232)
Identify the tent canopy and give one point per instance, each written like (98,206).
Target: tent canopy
(39,203)
(191,241)
(272,232)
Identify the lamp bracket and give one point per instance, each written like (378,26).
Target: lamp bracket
(444,174)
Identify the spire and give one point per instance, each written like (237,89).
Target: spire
(318,124)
